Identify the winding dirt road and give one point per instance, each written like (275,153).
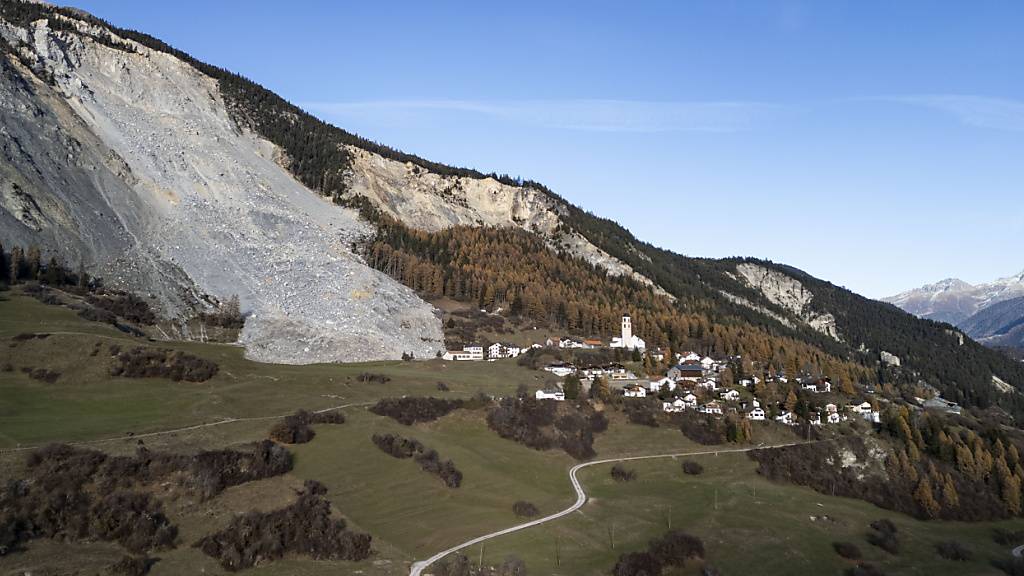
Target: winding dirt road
(581,499)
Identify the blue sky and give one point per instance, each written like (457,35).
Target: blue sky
(878,145)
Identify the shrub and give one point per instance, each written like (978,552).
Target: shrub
(132,566)
(1006,537)
(48,376)
(692,468)
(637,564)
(124,304)
(410,410)
(675,547)
(621,474)
(702,429)
(884,526)
(512,566)
(295,429)
(142,362)
(885,540)
(847,550)
(397,446)
(953,550)
(442,387)
(305,527)
(429,460)
(864,569)
(642,413)
(525,509)
(291,430)
(371,377)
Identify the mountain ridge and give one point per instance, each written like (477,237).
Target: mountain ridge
(793,318)
(953,300)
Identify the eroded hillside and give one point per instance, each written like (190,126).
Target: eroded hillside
(141,174)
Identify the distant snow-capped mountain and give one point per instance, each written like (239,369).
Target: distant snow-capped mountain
(953,300)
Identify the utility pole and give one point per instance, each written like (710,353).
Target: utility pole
(557,559)
(669,516)
(716,498)
(482,555)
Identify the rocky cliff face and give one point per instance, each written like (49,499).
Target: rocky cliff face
(127,161)
(428,201)
(790,295)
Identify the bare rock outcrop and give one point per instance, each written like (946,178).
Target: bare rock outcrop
(790,295)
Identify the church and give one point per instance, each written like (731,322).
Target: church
(628,340)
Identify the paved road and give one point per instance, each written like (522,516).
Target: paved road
(185,429)
(581,499)
(1018,551)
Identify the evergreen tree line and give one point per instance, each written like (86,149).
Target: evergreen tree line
(26,265)
(937,467)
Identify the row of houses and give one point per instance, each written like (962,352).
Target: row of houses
(496,351)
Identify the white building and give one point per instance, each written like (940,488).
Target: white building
(550,394)
(755,414)
(730,395)
(560,369)
(571,343)
(711,408)
(628,340)
(688,357)
(657,385)
(634,391)
(471,353)
(499,350)
(690,400)
(786,418)
(676,405)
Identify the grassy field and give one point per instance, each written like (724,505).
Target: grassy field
(749,525)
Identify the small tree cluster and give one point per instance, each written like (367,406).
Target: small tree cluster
(428,459)
(671,550)
(306,527)
(953,550)
(642,413)
(692,468)
(847,550)
(140,362)
(544,425)
(295,429)
(525,509)
(883,534)
(622,474)
(410,410)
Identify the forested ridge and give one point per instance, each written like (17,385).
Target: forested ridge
(519,272)
(514,270)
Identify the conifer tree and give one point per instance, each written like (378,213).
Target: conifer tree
(926,499)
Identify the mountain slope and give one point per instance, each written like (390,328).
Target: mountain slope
(954,300)
(206,197)
(141,174)
(1001,324)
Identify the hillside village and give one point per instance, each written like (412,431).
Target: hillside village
(715,387)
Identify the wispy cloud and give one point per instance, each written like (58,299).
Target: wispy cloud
(977,111)
(590,115)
